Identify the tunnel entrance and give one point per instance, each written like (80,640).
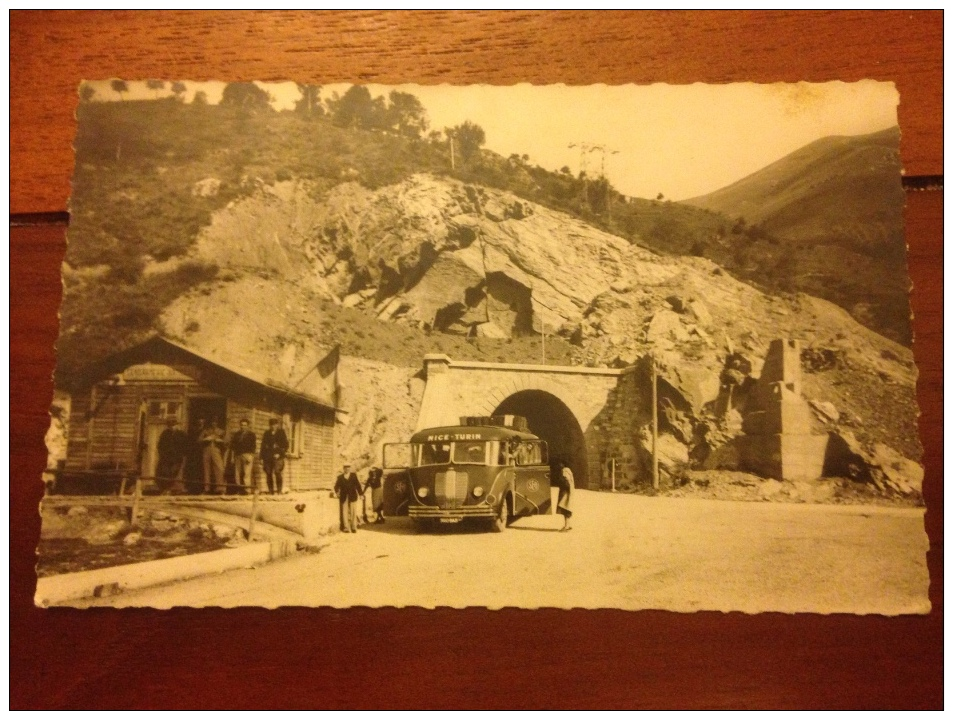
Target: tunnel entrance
(549,419)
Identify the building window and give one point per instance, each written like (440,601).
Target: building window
(293,427)
(163,409)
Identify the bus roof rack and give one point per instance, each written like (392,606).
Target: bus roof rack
(516,422)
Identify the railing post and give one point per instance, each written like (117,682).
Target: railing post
(135,502)
(254,509)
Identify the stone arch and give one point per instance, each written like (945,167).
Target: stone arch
(518,382)
(552,420)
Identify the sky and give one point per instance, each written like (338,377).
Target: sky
(678,140)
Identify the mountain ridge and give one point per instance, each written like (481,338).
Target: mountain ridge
(836,201)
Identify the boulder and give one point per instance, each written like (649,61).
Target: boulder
(490,330)
(825,411)
(672,454)
(104,532)
(697,310)
(696,383)
(666,326)
(222,531)
(352,300)
(677,303)
(896,472)
(875,464)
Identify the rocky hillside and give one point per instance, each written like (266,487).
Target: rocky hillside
(432,264)
(801,220)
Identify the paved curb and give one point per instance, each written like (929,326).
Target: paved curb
(56,589)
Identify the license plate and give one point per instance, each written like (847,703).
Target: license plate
(458,519)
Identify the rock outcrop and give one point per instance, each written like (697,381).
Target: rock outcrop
(438,256)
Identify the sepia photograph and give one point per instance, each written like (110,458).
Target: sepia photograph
(636,347)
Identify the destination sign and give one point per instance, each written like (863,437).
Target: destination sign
(454,437)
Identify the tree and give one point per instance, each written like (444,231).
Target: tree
(310,102)
(156,85)
(200,98)
(86,93)
(246,96)
(598,193)
(120,87)
(178,88)
(406,115)
(468,137)
(356,109)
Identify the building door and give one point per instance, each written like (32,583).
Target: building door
(200,412)
(152,420)
(208,409)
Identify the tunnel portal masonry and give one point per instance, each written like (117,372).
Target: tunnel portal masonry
(562,404)
(595,419)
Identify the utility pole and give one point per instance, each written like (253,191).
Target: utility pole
(542,329)
(655,481)
(584,148)
(453,165)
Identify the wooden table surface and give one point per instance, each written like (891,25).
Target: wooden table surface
(475,658)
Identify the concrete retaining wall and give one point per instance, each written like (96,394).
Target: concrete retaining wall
(56,589)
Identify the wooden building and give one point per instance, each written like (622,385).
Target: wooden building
(120,405)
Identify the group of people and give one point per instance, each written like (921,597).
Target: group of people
(348,489)
(214,456)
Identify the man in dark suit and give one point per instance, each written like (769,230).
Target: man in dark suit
(348,489)
(242,448)
(274,447)
(172,447)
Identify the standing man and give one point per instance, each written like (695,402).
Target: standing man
(242,447)
(348,489)
(172,447)
(274,447)
(213,465)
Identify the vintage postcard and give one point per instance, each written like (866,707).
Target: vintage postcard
(631,347)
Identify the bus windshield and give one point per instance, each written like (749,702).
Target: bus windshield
(434,453)
(469,452)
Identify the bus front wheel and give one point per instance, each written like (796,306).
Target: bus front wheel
(502,518)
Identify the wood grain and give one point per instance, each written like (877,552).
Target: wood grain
(51,52)
(415,658)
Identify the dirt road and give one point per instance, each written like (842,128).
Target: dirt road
(625,551)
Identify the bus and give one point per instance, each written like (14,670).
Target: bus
(486,469)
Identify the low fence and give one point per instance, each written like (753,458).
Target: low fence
(135,492)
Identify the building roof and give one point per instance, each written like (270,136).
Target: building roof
(161,350)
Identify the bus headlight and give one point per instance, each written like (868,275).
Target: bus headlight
(422,492)
(477,491)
